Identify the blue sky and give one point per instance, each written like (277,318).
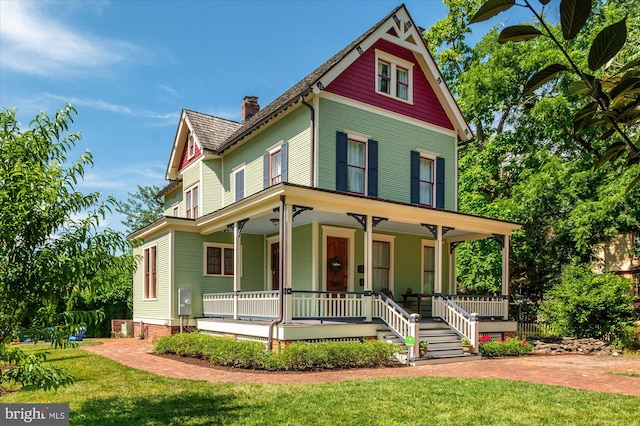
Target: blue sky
(130,67)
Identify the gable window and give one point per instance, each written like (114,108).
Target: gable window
(356,168)
(394,77)
(191,202)
(426,182)
(191,146)
(218,260)
(150,273)
(275,165)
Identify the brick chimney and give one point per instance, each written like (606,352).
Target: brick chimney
(250,107)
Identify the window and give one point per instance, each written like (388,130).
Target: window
(219,260)
(275,167)
(191,146)
(381,265)
(191,201)
(394,77)
(356,166)
(175,211)
(426,181)
(428,269)
(150,273)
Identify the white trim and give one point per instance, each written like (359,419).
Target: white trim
(349,234)
(269,277)
(222,246)
(386,238)
(152,321)
(316,138)
(237,169)
(357,136)
(455,178)
(275,147)
(222,178)
(190,189)
(394,63)
(389,114)
(172,278)
(428,154)
(175,209)
(365,178)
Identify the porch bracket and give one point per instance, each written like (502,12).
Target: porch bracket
(432,228)
(299,209)
(241,224)
(376,220)
(446,229)
(361,218)
(499,239)
(453,246)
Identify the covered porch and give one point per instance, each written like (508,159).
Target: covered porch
(331,257)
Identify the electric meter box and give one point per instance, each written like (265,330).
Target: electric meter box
(184,301)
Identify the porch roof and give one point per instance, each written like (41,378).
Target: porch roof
(331,207)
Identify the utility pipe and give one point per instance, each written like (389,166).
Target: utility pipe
(281,279)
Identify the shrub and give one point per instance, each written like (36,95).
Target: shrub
(585,304)
(297,356)
(507,347)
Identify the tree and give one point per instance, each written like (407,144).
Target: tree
(526,164)
(50,241)
(609,90)
(586,304)
(141,208)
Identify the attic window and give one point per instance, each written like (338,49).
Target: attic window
(394,77)
(191,146)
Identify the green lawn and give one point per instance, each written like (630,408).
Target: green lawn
(107,393)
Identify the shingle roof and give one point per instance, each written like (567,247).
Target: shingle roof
(302,88)
(211,131)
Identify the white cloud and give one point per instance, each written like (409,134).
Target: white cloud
(33,41)
(122,180)
(99,104)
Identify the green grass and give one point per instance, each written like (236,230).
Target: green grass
(622,373)
(108,393)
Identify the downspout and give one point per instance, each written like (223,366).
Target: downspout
(313,139)
(281,280)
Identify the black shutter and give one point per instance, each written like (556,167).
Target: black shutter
(266,172)
(284,162)
(239,185)
(415,177)
(372,168)
(440,183)
(341,161)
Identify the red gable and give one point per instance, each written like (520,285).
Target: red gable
(358,82)
(184,159)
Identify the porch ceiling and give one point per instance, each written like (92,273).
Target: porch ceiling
(331,208)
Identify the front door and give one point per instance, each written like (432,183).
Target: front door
(337,263)
(275,266)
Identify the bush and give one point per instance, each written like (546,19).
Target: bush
(585,304)
(507,347)
(297,356)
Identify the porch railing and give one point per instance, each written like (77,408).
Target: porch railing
(484,306)
(402,323)
(458,318)
(326,304)
(260,304)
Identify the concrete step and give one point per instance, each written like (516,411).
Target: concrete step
(432,360)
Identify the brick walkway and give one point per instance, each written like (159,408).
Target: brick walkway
(574,371)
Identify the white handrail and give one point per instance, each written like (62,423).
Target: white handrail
(484,306)
(398,320)
(464,323)
(262,304)
(314,304)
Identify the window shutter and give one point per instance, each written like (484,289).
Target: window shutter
(284,162)
(440,183)
(239,185)
(415,177)
(341,161)
(372,168)
(265,170)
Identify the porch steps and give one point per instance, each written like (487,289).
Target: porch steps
(445,345)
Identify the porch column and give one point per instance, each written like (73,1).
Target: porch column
(237,259)
(505,275)
(368,269)
(286,247)
(437,287)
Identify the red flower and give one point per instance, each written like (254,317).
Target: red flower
(485,339)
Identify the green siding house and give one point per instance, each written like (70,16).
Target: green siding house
(331,213)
